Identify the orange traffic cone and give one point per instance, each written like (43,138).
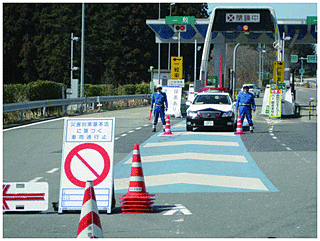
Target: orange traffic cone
(167,127)
(137,200)
(89,225)
(239,130)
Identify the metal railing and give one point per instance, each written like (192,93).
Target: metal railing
(312,108)
(23,106)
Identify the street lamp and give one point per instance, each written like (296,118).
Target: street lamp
(71,65)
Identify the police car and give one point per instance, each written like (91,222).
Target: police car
(211,109)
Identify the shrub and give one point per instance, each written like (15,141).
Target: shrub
(14,93)
(129,89)
(43,90)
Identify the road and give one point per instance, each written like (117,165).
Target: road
(272,174)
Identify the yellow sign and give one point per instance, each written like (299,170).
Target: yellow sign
(176,67)
(278,71)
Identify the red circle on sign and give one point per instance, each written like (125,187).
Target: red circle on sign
(75,152)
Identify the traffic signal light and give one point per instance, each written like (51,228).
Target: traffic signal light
(180,28)
(244,27)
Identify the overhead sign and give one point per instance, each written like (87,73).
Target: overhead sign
(176,67)
(174,100)
(311,58)
(294,59)
(278,71)
(239,19)
(242,17)
(29,196)
(180,19)
(312,20)
(275,103)
(87,155)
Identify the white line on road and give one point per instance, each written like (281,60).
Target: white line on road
(197,179)
(138,128)
(36,179)
(38,123)
(178,208)
(192,142)
(53,170)
(123,134)
(192,156)
(131,131)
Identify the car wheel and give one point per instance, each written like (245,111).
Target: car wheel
(189,128)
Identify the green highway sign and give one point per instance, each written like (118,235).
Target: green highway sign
(311,19)
(294,59)
(311,58)
(180,19)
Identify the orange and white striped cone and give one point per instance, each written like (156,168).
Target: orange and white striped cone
(137,200)
(167,127)
(239,130)
(89,225)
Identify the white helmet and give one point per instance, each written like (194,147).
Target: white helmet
(159,87)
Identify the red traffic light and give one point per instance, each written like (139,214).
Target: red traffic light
(180,28)
(245,27)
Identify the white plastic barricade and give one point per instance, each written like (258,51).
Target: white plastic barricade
(87,155)
(27,196)
(174,100)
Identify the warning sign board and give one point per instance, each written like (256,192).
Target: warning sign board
(176,67)
(278,71)
(29,196)
(174,100)
(88,147)
(275,103)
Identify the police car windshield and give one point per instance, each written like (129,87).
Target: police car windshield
(212,99)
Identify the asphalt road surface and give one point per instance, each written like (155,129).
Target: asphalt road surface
(257,185)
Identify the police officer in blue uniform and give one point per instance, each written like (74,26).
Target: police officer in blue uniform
(159,98)
(245,103)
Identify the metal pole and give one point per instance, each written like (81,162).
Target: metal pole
(82,54)
(195,59)
(234,70)
(71,65)
(259,49)
(159,53)
(179,45)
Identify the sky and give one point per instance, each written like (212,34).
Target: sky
(283,9)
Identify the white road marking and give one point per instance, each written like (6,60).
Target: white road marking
(274,137)
(288,148)
(131,131)
(193,156)
(193,142)
(123,134)
(197,179)
(117,138)
(38,123)
(53,170)
(146,125)
(200,133)
(138,128)
(36,179)
(178,208)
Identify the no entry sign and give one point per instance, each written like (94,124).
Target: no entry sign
(88,146)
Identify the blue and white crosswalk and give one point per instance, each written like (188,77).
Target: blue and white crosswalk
(187,162)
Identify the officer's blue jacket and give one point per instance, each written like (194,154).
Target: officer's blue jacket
(245,98)
(159,99)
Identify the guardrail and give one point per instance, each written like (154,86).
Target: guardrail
(23,106)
